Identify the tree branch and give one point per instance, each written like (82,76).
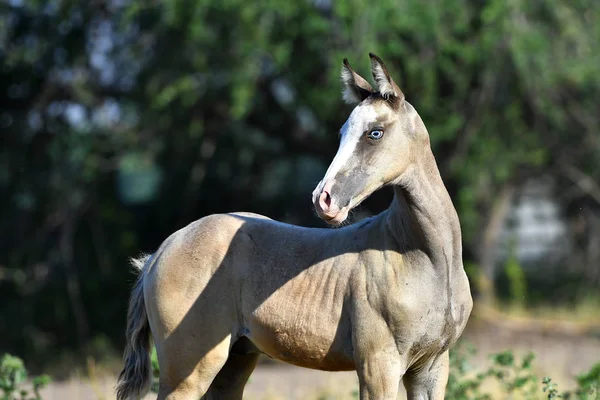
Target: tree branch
(583,181)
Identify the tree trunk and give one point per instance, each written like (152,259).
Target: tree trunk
(491,233)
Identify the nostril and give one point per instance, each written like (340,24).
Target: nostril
(324,201)
(327,199)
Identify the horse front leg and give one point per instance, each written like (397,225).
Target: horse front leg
(429,381)
(378,363)
(379,375)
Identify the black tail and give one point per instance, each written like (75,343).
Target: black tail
(136,377)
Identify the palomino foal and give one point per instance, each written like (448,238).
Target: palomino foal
(386,297)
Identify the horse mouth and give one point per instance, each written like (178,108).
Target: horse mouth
(336,219)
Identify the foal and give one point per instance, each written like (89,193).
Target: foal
(386,297)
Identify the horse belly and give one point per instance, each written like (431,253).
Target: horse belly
(307,347)
(303,327)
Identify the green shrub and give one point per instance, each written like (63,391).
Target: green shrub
(515,376)
(463,384)
(588,385)
(517,282)
(155,370)
(13,376)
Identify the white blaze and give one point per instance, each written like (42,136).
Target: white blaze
(351,133)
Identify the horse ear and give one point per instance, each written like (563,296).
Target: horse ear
(386,85)
(356,88)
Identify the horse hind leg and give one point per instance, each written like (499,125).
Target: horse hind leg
(182,377)
(230,381)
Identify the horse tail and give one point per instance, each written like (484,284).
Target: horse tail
(135,379)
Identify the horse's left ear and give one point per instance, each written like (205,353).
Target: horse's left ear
(386,85)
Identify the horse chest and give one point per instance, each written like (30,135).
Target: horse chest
(427,319)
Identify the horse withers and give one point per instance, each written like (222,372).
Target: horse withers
(386,297)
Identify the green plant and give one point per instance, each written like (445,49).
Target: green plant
(550,388)
(517,281)
(155,370)
(13,375)
(589,383)
(463,384)
(515,376)
(588,386)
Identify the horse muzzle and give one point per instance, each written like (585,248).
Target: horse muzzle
(326,206)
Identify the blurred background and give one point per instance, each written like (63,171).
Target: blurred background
(122,121)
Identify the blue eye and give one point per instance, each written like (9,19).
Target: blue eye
(375,134)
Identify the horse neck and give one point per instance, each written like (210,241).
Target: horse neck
(422,215)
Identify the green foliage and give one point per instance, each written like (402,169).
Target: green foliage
(155,370)
(13,377)
(515,376)
(588,384)
(590,379)
(550,388)
(517,282)
(463,382)
(124,122)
